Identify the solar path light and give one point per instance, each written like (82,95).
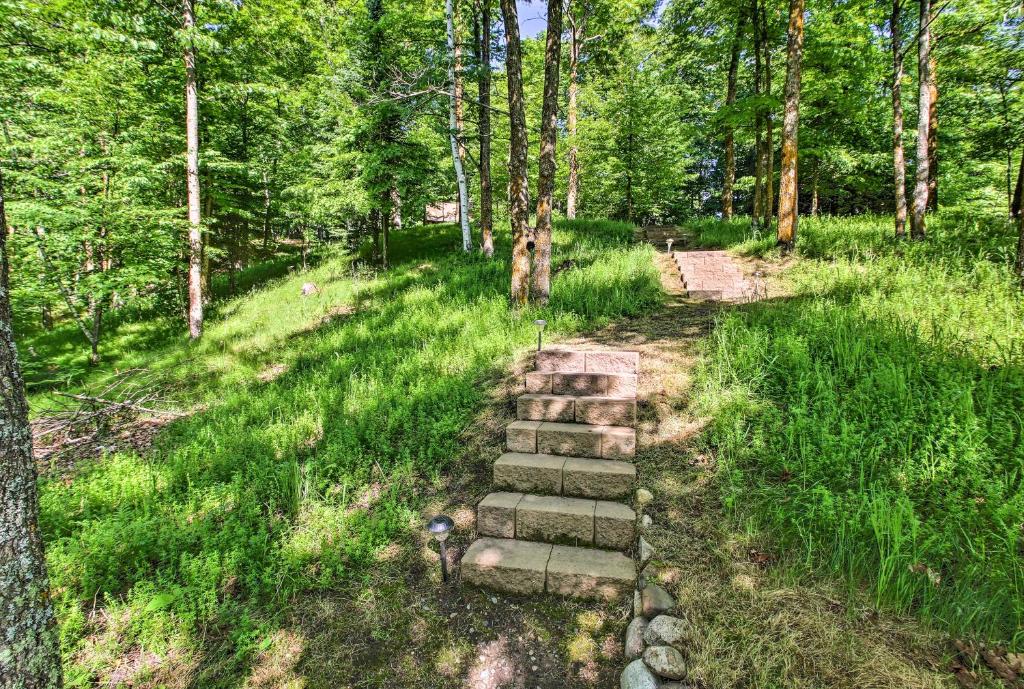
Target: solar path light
(540,323)
(439,527)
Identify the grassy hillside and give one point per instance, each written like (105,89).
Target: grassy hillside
(868,415)
(316,426)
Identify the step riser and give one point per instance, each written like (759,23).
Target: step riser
(598,411)
(528,568)
(571,440)
(581,384)
(571,521)
(601,479)
(581,361)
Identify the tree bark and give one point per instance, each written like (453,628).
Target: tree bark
(730,131)
(756,211)
(541,276)
(1018,192)
(396,207)
(769,146)
(920,201)
(29,644)
(519,191)
(933,128)
(460,111)
(898,161)
(788,187)
(484,98)
(455,134)
(1020,249)
(815,178)
(576,25)
(195,231)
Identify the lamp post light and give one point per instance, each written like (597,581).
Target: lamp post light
(540,323)
(439,527)
(669,242)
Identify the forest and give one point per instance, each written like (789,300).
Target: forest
(268,267)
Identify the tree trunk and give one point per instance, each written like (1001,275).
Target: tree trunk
(1018,192)
(815,178)
(267,208)
(395,200)
(519,191)
(730,131)
(756,211)
(484,84)
(195,231)
(460,111)
(575,46)
(933,130)
(769,146)
(30,643)
(385,227)
(69,299)
(788,187)
(455,134)
(924,97)
(898,161)
(541,276)
(1020,248)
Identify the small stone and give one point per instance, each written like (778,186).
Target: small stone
(665,630)
(635,634)
(665,661)
(644,497)
(493,599)
(646,521)
(646,552)
(637,676)
(655,600)
(638,607)
(533,667)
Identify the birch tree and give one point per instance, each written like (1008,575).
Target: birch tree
(454,131)
(195,230)
(924,98)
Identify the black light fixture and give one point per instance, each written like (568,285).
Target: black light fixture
(540,323)
(439,527)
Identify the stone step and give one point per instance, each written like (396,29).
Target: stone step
(604,479)
(524,567)
(587,361)
(557,519)
(571,439)
(581,383)
(595,410)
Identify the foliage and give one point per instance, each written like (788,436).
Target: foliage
(869,417)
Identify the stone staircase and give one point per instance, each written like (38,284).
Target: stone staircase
(713,275)
(558,521)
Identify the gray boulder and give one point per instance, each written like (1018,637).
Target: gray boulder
(637,676)
(665,661)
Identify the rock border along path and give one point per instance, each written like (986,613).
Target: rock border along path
(556,522)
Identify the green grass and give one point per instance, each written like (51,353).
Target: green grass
(869,415)
(318,424)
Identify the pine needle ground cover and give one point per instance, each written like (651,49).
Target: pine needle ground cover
(316,426)
(868,415)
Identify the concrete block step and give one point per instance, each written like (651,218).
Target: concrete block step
(542,474)
(557,519)
(525,567)
(571,439)
(587,361)
(581,383)
(595,410)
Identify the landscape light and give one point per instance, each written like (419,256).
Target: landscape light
(669,242)
(439,527)
(540,323)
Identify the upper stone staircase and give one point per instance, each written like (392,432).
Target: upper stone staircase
(556,522)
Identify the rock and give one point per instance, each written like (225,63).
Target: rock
(637,676)
(665,661)
(644,497)
(638,607)
(646,521)
(665,630)
(646,552)
(655,600)
(635,633)
(309,288)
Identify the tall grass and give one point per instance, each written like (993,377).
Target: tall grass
(871,417)
(318,420)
